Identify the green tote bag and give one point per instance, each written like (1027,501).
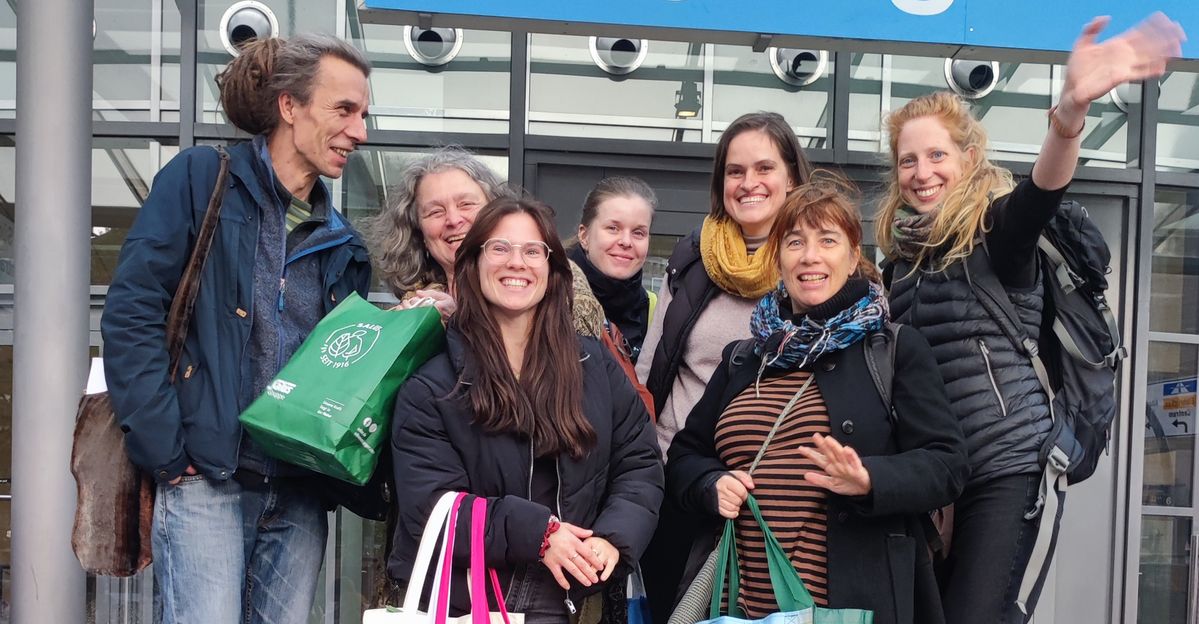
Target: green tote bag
(329,409)
(796,604)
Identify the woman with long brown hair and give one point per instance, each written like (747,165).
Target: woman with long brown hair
(714,278)
(522,410)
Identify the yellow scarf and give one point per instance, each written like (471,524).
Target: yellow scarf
(729,264)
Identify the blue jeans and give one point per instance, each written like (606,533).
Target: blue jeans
(536,594)
(228,554)
(991,545)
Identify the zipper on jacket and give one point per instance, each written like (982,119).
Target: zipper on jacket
(282,283)
(570,605)
(916,300)
(530,494)
(982,346)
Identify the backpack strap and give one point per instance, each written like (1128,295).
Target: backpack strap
(1068,281)
(993,297)
(880,347)
(887,271)
(742,351)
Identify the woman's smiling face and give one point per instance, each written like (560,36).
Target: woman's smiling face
(928,162)
(756,181)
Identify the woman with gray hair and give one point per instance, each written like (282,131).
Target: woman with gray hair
(415,237)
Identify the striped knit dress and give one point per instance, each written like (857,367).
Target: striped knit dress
(795,510)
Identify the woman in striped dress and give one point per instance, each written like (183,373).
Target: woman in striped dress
(846,479)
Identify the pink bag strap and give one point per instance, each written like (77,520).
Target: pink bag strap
(447,564)
(479,570)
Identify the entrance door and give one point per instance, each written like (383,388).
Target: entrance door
(1169,532)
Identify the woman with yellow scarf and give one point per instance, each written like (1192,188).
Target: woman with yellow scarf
(714,278)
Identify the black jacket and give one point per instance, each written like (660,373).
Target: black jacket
(993,389)
(615,490)
(877,557)
(691,290)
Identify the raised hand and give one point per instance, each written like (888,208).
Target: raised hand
(843,472)
(1140,52)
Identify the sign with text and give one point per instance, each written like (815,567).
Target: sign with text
(1171,408)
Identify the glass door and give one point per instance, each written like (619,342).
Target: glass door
(1169,532)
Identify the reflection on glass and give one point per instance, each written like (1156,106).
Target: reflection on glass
(569,95)
(1175,285)
(1013,113)
(135,58)
(865,101)
(468,94)
(653,274)
(1178,122)
(1165,569)
(744,82)
(122,171)
(1105,136)
(211,57)
(1170,425)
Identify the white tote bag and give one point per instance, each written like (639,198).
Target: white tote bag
(440,527)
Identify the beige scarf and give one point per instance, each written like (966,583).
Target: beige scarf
(729,263)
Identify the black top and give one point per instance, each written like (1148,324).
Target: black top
(1016,221)
(624,301)
(917,463)
(614,490)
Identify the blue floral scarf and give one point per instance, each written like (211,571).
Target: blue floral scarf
(783,344)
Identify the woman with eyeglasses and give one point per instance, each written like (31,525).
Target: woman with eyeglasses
(544,423)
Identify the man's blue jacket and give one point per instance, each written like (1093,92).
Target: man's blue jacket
(195,421)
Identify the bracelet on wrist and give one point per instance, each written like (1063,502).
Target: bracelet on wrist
(1060,129)
(551,527)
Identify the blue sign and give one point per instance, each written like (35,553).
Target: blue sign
(1184,386)
(1043,25)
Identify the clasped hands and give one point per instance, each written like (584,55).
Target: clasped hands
(574,550)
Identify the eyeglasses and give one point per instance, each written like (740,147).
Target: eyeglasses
(534,253)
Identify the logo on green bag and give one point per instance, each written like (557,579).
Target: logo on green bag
(349,344)
(280,388)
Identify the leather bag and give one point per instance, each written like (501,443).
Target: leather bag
(114,512)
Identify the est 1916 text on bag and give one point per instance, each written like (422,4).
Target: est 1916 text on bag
(329,409)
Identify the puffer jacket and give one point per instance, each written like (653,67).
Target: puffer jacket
(615,490)
(993,389)
(691,290)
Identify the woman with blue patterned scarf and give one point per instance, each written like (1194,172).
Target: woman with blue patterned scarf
(844,479)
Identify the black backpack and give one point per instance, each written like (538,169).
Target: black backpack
(1080,350)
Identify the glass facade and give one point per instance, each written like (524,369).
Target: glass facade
(555,118)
